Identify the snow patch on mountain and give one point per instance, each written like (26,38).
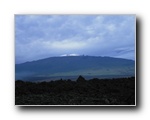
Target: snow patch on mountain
(70,55)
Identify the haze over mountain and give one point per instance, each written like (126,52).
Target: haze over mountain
(68,66)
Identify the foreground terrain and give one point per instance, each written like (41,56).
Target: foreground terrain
(120,91)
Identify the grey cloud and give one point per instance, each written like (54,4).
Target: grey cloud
(44,36)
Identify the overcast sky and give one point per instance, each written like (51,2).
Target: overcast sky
(42,36)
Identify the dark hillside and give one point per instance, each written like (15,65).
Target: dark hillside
(75,66)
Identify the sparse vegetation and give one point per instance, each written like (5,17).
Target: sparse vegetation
(120,91)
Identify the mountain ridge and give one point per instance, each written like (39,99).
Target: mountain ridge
(72,56)
(75,66)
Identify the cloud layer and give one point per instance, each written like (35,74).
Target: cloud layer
(41,36)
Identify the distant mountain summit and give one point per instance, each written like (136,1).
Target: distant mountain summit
(73,65)
(70,55)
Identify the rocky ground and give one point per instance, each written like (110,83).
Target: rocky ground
(120,91)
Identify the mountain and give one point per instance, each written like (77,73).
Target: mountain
(68,66)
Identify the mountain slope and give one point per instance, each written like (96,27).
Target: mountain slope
(75,66)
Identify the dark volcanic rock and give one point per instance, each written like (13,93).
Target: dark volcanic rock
(81,79)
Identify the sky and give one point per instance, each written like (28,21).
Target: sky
(42,36)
